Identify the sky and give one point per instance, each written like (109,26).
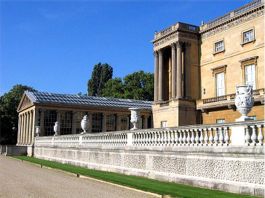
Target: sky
(53,45)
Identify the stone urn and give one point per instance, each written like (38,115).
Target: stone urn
(135,115)
(56,128)
(85,124)
(37,131)
(244,101)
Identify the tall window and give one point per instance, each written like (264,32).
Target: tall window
(220,84)
(50,117)
(250,75)
(124,123)
(97,122)
(248,36)
(66,122)
(111,122)
(219,46)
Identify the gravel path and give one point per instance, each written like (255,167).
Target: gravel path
(21,179)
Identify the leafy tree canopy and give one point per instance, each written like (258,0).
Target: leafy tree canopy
(138,86)
(8,113)
(100,75)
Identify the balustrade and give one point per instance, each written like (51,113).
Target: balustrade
(213,135)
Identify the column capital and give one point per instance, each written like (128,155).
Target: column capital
(179,44)
(173,45)
(155,53)
(160,52)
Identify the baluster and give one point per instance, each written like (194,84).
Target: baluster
(201,137)
(180,137)
(253,135)
(216,138)
(184,137)
(247,135)
(171,138)
(176,137)
(206,137)
(188,137)
(192,139)
(221,136)
(196,137)
(166,138)
(260,136)
(227,138)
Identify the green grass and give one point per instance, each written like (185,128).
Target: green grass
(150,185)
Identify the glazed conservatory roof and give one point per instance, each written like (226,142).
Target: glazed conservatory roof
(74,99)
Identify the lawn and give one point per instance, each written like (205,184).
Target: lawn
(150,185)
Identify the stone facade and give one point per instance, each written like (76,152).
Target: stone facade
(187,64)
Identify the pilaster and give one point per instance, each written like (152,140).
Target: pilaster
(160,76)
(173,55)
(179,70)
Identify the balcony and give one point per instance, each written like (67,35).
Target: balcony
(227,100)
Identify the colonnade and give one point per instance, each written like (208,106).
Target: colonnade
(180,63)
(26,123)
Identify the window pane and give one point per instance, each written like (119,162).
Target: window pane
(219,46)
(97,122)
(220,84)
(248,36)
(111,122)
(50,117)
(250,75)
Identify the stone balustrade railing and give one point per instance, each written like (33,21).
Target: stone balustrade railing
(238,12)
(235,134)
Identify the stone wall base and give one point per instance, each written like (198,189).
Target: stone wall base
(12,150)
(231,172)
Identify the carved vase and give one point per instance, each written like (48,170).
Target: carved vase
(37,131)
(244,100)
(56,128)
(85,124)
(135,114)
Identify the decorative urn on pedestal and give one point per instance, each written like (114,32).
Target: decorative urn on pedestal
(135,114)
(244,101)
(56,128)
(85,124)
(37,131)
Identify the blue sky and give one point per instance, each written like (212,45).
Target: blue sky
(53,45)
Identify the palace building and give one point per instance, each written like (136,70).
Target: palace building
(197,68)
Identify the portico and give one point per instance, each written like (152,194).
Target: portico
(176,72)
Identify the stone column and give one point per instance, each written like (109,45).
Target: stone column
(22,129)
(118,122)
(187,70)
(18,130)
(90,122)
(34,121)
(58,119)
(74,122)
(25,129)
(160,76)
(30,128)
(42,130)
(104,129)
(156,76)
(179,70)
(145,121)
(173,58)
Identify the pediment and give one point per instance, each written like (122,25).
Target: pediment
(25,102)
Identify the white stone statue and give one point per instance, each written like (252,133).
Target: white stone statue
(85,124)
(37,131)
(244,101)
(135,115)
(56,128)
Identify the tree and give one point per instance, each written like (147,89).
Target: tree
(100,75)
(138,85)
(114,88)
(8,113)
